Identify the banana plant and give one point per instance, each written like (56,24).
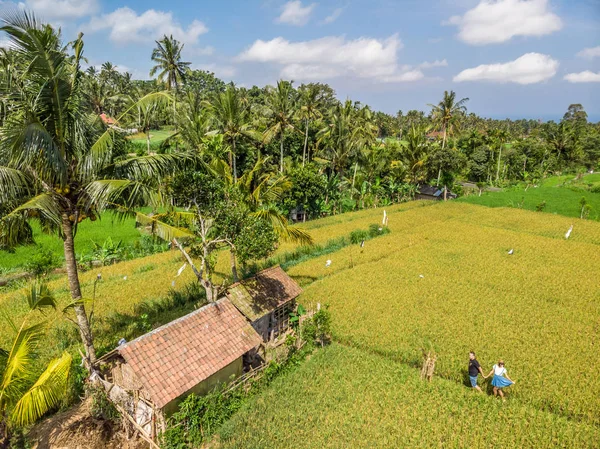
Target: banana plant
(25,397)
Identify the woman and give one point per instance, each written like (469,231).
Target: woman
(500,379)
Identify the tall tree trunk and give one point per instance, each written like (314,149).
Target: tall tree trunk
(499,159)
(443,146)
(85,329)
(281,153)
(148,141)
(234,271)
(305,143)
(234,162)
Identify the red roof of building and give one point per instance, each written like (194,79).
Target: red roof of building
(436,134)
(108,120)
(174,358)
(259,295)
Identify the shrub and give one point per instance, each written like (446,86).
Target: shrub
(317,329)
(100,406)
(358,236)
(42,262)
(541,206)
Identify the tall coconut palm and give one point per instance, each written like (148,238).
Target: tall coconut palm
(446,114)
(58,165)
(281,104)
(310,110)
(169,66)
(24,398)
(499,137)
(230,116)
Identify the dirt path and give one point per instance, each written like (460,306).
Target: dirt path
(77,429)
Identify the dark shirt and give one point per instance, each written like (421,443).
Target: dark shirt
(474,367)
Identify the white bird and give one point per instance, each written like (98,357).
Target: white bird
(362,244)
(568,234)
(181,269)
(124,278)
(172,283)
(511,252)
(421,276)
(328,264)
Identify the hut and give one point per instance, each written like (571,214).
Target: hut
(426,192)
(266,300)
(150,375)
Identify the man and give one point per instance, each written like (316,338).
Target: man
(474,370)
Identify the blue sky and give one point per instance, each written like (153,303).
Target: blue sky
(512,58)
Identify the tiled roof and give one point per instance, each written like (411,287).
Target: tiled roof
(172,359)
(263,293)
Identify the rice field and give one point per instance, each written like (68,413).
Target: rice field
(443,280)
(344,397)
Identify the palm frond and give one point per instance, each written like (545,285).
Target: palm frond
(161,229)
(118,194)
(282,228)
(39,297)
(20,358)
(148,167)
(13,183)
(45,394)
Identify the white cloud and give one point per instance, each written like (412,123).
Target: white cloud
(293,13)
(583,77)
(4,43)
(126,26)
(436,63)
(528,69)
(62,9)
(333,16)
(495,21)
(332,57)
(590,53)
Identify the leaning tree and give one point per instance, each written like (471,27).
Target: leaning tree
(58,164)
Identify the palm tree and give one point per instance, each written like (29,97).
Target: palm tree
(309,110)
(415,151)
(349,130)
(446,114)
(230,116)
(499,137)
(58,166)
(169,66)
(23,397)
(281,103)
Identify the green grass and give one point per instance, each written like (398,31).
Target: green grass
(88,232)
(347,398)
(560,194)
(157,136)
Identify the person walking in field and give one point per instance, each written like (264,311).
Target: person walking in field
(500,379)
(474,371)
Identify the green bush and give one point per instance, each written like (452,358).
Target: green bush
(42,262)
(358,236)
